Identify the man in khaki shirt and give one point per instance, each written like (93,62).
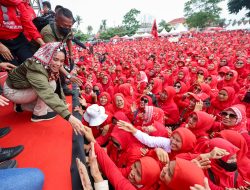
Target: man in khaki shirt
(60,31)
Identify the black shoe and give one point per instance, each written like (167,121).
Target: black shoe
(4,131)
(8,164)
(18,108)
(48,116)
(8,153)
(67,92)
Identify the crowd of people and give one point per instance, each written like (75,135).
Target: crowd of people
(157,114)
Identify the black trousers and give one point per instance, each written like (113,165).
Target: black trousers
(19,47)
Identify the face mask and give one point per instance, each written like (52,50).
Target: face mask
(64,31)
(230,167)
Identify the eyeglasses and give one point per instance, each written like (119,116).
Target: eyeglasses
(145,100)
(239,63)
(231,115)
(177,86)
(200,73)
(230,74)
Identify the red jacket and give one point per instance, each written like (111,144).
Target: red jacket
(18,20)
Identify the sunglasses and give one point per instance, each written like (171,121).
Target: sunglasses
(231,115)
(145,100)
(230,74)
(200,73)
(177,86)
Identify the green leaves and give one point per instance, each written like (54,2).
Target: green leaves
(234,6)
(202,13)
(130,21)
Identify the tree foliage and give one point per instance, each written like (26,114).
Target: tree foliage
(103,25)
(81,36)
(130,21)
(78,21)
(164,25)
(111,32)
(234,6)
(202,13)
(89,29)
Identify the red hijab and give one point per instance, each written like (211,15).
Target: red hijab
(217,105)
(222,177)
(149,176)
(242,160)
(186,174)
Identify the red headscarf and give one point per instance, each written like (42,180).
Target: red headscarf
(222,177)
(217,105)
(242,160)
(186,174)
(149,176)
(125,90)
(169,106)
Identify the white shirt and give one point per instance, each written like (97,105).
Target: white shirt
(153,142)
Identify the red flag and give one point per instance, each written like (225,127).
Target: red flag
(154,30)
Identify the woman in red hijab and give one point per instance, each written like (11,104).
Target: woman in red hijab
(105,101)
(120,104)
(181,175)
(183,76)
(242,160)
(212,81)
(241,67)
(128,92)
(200,123)
(87,92)
(234,118)
(222,173)
(167,104)
(230,80)
(223,100)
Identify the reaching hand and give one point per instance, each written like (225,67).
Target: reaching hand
(76,80)
(79,110)
(83,175)
(87,132)
(144,151)
(203,163)
(82,101)
(199,187)
(3,101)
(76,124)
(162,155)
(7,66)
(198,106)
(94,169)
(149,129)
(126,126)
(5,52)
(218,153)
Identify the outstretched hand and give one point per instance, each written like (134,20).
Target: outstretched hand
(86,184)
(3,101)
(199,187)
(87,132)
(126,126)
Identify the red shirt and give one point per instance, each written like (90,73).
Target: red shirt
(18,21)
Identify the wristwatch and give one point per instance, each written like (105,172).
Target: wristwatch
(68,76)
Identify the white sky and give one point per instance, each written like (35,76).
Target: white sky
(93,11)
